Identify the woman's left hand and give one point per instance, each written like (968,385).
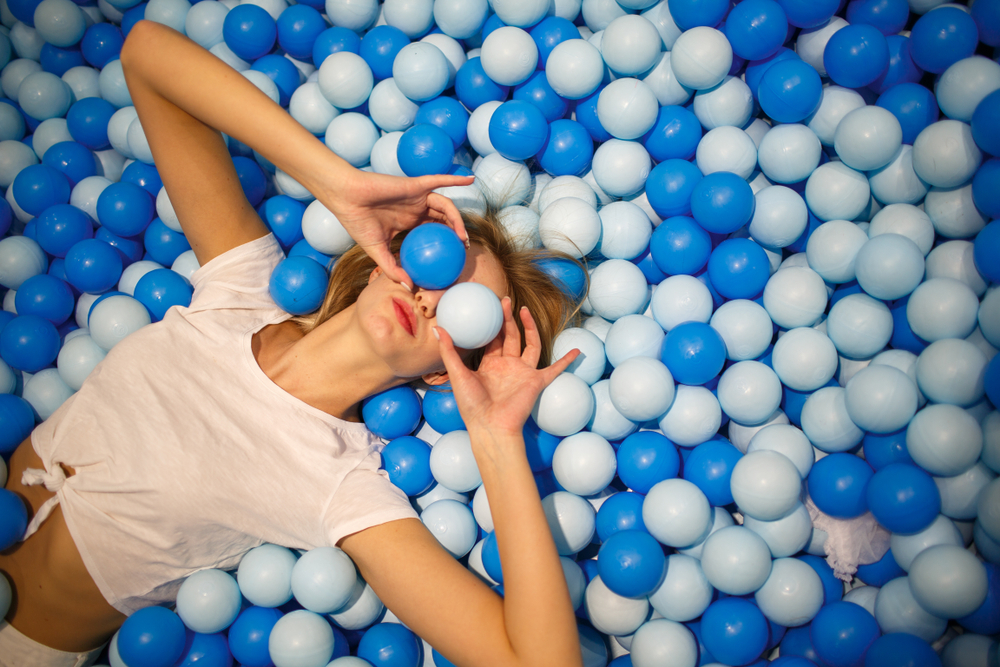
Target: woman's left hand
(373,208)
(499,396)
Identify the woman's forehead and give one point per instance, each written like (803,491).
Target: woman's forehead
(482,267)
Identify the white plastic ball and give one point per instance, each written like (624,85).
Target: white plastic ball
(611,613)
(786,536)
(412,18)
(509,56)
(953,211)
(503,182)
(766,485)
(897,182)
(520,13)
(889,266)
(795,296)
(460,19)
(584,463)
(804,359)
(960,493)
(574,69)
(203,23)
(384,159)
(565,406)
(881,399)
(352,136)
(749,392)
(570,225)
(988,517)
(942,308)
(265,575)
(868,138)
(263,82)
(345,79)
(859,326)
(944,440)
(701,57)
(728,103)
(726,148)
(745,327)
(948,581)
(361,610)
(811,43)
(566,186)
(621,167)
(663,82)
(780,216)
(945,155)
(905,220)
(662,642)
(827,424)
(453,464)
(471,314)
(954,259)
(479,126)
(617,288)
(897,611)
(301,638)
(792,595)
(681,299)
(863,596)
(693,417)
(720,519)
(627,108)
(571,520)
(836,103)
(77,358)
(787,440)
(633,336)
(420,71)
(323,231)
(208,601)
(833,248)
(789,153)
(965,83)
(114,318)
(625,230)
(642,388)
(452,524)
(631,45)
(45,391)
(677,513)
(834,191)
(736,560)
(685,592)
(323,579)
(589,365)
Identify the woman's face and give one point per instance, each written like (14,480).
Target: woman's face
(399,323)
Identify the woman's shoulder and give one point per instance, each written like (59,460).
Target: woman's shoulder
(238,278)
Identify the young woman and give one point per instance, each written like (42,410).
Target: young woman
(229,424)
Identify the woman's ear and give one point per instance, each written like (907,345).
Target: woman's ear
(436,379)
(374,274)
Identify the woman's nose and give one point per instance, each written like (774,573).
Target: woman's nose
(427,301)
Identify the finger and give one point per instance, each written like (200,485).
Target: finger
(457,371)
(533,342)
(445,207)
(512,337)
(495,347)
(552,372)
(386,261)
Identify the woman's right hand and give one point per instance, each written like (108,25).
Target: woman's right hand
(373,208)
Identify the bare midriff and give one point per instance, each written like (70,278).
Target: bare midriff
(55,602)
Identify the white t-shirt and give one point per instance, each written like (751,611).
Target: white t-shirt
(187,455)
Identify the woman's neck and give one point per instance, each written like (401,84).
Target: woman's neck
(332,368)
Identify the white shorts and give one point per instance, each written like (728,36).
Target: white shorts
(16,650)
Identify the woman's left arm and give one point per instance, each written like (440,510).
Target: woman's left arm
(533,624)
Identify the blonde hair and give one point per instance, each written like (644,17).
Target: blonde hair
(527,284)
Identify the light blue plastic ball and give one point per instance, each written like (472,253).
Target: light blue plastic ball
(693,417)
(745,327)
(736,560)
(941,308)
(352,136)
(680,299)
(785,536)
(889,266)
(60,22)
(945,155)
(203,23)
(420,71)
(114,318)
(905,548)
(20,259)
(633,336)
(621,167)
(46,391)
(584,464)
(827,424)
(209,601)
(571,520)
(565,406)
(301,639)
(834,191)
(172,13)
(265,575)
(677,513)
(896,610)
(948,581)
(453,524)
(859,326)
(345,79)
(453,464)
(728,103)
(589,366)
(788,440)
(881,399)
(606,420)
(804,359)
(766,485)
(627,108)
(625,230)
(509,56)
(574,69)
(685,592)
(868,138)
(789,153)
(323,579)
(641,388)
(944,440)
(792,595)
(749,392)
(44,95)
(471,314)
(631,45)
(617,288)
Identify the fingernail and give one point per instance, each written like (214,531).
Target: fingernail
(434,330)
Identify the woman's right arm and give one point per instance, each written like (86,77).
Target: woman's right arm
(186,97)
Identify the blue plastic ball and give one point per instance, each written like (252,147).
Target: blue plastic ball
(710,467)
(152,637)
(943,37)
(755,69)
(903,498)
(47,297)
(537,91)
(901,68)
(251,176)
(790,91)
(125,209)
(833,588)
(59,60)
(433,256)
(568,275)
(441,411)
(283,216)
(986,250)
(675,135)
(16,421)
(298,27)
(74,160)
(283,72)
(201,650)
(756,29)
(842,632)
(645,459)
(739,269)
(24,11)
(669,187)
(87,121)
(249,31)
(164,245)
(539,446)
(145,176)
(474,88)
(586,115)
(986,619)
(133,16)
(986,195)
(392,413)
(249,634)
(60,227)
(336,39)
(13,519)
(838,484)
(631,563)
(568,150)
(881,449)
(425,149)
(298,285)
(809,13)
(447,114)
(408,462)
(491,558)
(689,14)
(734,631)
(549,33)
(722,202)
(518,130)
(101,44)
(797,644)
(693,352)
(390,645)
(900,649)
(303,249)
(161,289)
(913,105)
(379,47)
(881,572)
(680,246)
(621,511)
(29,343)
(889,16)
(856,55)
(39,186)
(986,123)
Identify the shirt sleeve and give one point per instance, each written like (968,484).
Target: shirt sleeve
(238,278)
(366,498)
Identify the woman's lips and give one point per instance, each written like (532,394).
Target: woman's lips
(404,313)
